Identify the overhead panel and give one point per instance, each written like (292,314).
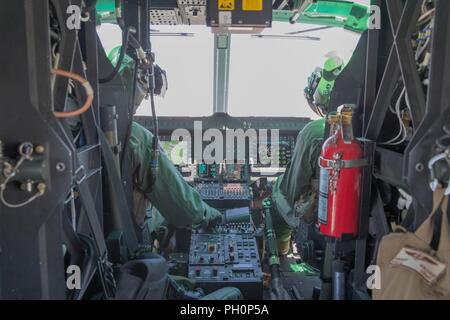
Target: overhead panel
(165,12)
(233,16)
(193,12)
(253,14)
(169,17)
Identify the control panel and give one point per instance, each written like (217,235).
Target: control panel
(225,195)
(260,151)
(281,150)
(227,257)
(222,172)
(240,227)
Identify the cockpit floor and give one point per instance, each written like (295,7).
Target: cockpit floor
(299,285)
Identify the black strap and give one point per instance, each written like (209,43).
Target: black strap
(76,250)
(103,264)
(72,241)
(437,227)
(85,197)
(119,192)
(92,217)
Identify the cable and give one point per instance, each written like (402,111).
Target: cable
(425,16)
(155,121)
(123,49)
(403,130)
(38,194)
(142,57)
(19,205)
(140,53)
(87,88)
(155,151)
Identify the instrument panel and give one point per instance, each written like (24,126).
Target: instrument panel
(265,154)
(227,256)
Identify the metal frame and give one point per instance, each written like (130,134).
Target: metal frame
(31,260)
(390,58)
(406,168)
(424,111)
(436,115)
(222,52)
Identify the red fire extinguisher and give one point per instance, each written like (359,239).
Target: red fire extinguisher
(341,165)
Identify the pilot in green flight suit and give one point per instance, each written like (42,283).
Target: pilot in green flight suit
(171,198)
(294,194)
(171,195)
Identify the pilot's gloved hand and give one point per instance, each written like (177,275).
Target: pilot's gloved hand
(215,218)
(212,218)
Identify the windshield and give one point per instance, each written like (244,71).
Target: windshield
(267,75)
(188,63)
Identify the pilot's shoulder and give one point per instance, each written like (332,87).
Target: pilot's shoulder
(140,134)
(313,130)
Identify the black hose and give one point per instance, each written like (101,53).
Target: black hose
(155,151)
(123,50)
(134,43)
(155,121)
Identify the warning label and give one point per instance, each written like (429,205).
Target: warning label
(226,4)
(252,5)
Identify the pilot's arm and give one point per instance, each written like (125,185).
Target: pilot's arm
(298,181)
(174,198)
(300,174)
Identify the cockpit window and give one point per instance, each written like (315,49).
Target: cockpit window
(186,53)
(268,74)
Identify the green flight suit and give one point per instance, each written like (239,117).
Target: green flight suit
(299,180)
(171,195)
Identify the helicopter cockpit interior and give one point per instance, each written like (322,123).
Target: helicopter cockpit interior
(224,149)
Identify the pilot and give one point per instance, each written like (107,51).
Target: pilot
(294,194)
(171,200)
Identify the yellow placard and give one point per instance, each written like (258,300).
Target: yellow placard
(226,4)
(252,5)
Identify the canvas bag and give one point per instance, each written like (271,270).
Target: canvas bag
(403,283)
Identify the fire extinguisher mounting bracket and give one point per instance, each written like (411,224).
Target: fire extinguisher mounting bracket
(328,164)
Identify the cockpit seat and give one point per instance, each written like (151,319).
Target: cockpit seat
(144,279)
